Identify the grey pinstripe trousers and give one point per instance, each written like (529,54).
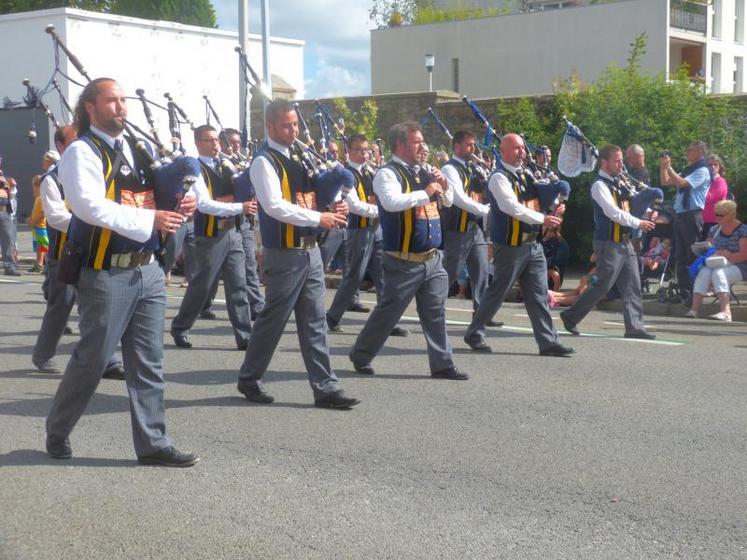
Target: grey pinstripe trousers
(294,282)
(127,305)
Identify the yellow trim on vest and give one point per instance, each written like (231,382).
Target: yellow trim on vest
(287,195)
(616,230)
(363,223)
(407,236)
(210,219)
(106,234)
(464,215)
(515,223)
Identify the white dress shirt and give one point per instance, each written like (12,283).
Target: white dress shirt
(85,191)
(55,210)
(355,204)
(461,199)
(390,195)
(501,189)
(270,195)
(602,196)
(208,205)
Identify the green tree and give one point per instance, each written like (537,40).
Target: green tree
(363,121)
(193,12)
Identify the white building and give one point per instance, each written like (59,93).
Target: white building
(528,53)
(157,56)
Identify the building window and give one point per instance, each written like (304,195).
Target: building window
(455,74)
(715,72)
(716,23)
(738,74)
(739,21)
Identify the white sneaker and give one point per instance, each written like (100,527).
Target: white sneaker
(691,314)
(721,316)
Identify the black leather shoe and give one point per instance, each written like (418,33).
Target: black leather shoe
(558,351)
(451,373)
(114,372)
(481,346)
(643,335)
(256,393)
(335,400)
(493,323)
(358,308)
(570,327)
(59,448)
(207,314)
(242,344)
(365,369)
(169,457)
(181,341)
(11,272)
(399,331)
(46,366)
(333,326)
(67,330)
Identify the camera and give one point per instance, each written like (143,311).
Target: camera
(666,153)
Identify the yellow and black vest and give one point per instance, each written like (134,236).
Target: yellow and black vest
(365,192)
(124,185)
(458,219)
(505,229)
(296,188)
(56,238)
(219,188)
(415,230)
(604,228)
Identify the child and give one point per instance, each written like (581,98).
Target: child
(39,223)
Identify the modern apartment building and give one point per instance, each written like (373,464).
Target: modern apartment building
(527,51)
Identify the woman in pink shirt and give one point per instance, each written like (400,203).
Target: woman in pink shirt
(717,191)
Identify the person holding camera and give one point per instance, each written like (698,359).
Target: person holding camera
(7,237)
(692,187)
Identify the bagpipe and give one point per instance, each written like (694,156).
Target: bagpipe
(239,160)
(551,190)
(252,82)
(492,139)
(579,154)
(479,165)
(172,174)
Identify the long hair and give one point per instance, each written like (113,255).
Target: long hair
(82,120)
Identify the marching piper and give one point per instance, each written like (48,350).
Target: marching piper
(289,223)
(408,199)
(218,248)
(617,263)
(517,253)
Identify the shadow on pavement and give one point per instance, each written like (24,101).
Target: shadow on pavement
(25,457)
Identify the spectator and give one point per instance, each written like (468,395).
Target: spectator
(717,191)
(7,226)
(557,252)
(635,158)
(38,222)
(692,186)
(729,238)
(656,255)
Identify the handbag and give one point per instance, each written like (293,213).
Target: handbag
(716,262)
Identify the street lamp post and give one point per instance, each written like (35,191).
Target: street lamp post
(430,62)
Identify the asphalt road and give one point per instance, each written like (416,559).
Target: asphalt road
(628,450)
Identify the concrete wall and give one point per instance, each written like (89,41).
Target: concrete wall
(186,61)
(519,54)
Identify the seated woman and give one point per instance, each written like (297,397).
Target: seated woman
(567,298)
(729,238)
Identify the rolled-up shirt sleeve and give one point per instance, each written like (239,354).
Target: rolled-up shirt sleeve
(602,196)
(390,195)
(700,179)
(85,191)
(460,197)
(360,208)
(500,187)
(270,197)
(207,205)
(57,214)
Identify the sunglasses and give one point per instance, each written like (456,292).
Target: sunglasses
(721,215)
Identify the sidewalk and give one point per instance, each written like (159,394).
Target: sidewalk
(651,305)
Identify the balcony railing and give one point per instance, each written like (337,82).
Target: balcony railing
(689,16)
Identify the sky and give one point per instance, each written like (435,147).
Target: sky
(336,55)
